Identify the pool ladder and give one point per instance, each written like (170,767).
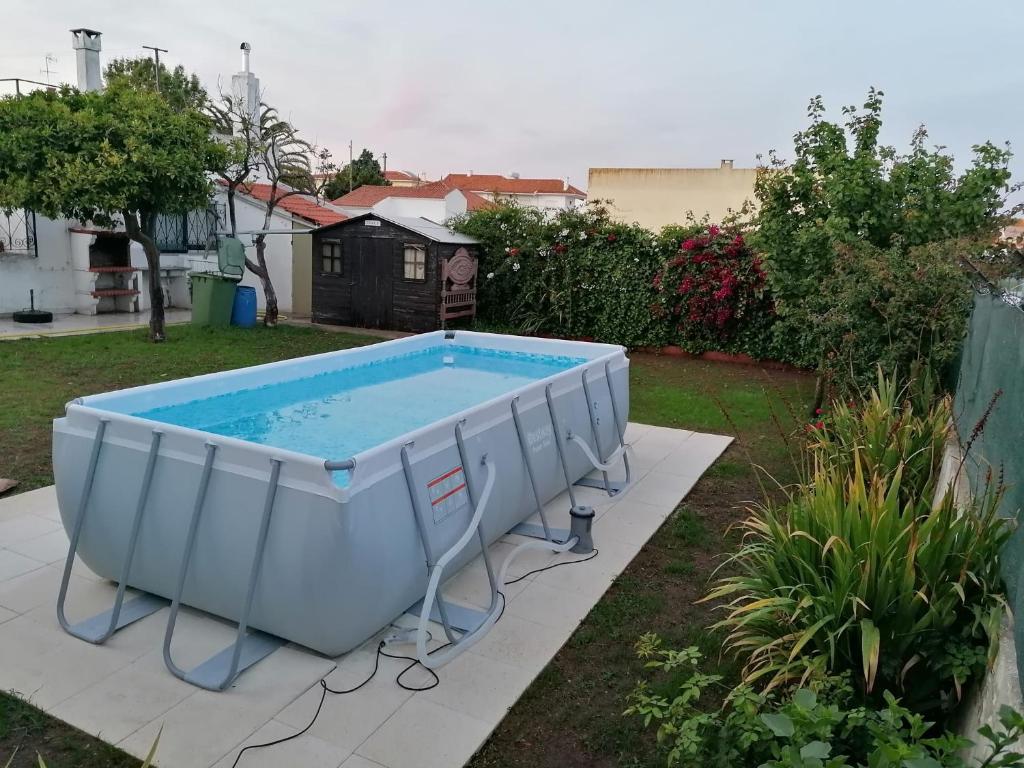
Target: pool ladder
(219,671)
(464,626)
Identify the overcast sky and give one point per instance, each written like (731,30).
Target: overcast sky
(553,88)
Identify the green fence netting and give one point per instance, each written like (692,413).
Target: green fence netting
(993,360)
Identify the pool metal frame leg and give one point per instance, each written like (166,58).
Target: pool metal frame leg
(101,627)
(532,530)
(220,670)
(451,615)
(611,487)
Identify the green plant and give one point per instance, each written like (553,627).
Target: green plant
(848,576)
(890,307)
(575,273)
(712,290)
(813,727)
(892,428)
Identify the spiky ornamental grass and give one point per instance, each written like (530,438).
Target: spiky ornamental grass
(859,570)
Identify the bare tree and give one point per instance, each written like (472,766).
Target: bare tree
(264,147)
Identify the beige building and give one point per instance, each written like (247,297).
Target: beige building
(656,197)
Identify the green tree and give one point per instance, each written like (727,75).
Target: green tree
(119,155)
(181,90)
(365,169)
(259,145)
(845,190)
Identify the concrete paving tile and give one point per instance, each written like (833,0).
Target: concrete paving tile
(49,548)
(347,720)
(48,667)
(631,522)
(663,489)
(549,606)
(120,704)
(198,731)
(358,761)
(520,642)
(423,734)
(306,751)
(41,501)
(14,564)
(480,687)
(24,527)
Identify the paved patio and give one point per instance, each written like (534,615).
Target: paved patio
(73,325)
(122,693)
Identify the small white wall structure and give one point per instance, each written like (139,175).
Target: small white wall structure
(49,274)
(249,215)
(438,209)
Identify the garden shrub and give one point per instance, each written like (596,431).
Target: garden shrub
(891,307)
(711,292)
(820,726)
(574,274)
(861,571)
(842,227)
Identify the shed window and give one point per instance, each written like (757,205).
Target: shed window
(415,262)
(331,254)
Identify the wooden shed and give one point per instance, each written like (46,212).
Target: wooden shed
(402,273)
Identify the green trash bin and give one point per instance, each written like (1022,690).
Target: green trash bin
(212,299)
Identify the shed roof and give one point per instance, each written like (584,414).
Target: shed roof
(431,230)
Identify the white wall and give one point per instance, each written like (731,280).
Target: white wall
(435,209)
(50,275)
(249,216)
(545,202)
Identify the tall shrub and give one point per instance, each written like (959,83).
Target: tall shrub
(844,189)
(711,292)
(575,273)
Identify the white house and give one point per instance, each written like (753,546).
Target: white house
(545,194)
(436,201)
(72,266)
(287,245)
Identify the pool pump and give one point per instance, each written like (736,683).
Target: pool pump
(581,524)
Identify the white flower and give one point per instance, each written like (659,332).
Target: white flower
(583,235)
(490,275)
(507,249)
(515,266)
(636,259)
(563,233)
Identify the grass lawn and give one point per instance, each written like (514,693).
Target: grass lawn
(571,716)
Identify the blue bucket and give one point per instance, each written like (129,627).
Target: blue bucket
(243,311)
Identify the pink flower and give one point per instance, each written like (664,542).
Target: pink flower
(513,251)
(713,230)
(689,244)
(612,237)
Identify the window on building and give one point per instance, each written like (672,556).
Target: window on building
(415,262)
(331,255)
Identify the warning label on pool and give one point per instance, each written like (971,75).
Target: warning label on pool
(448,493)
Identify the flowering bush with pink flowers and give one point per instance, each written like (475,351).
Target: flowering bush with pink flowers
(711,292)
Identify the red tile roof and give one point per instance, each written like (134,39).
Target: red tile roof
(400,176)
(368,195)
(303,206)
(489,182)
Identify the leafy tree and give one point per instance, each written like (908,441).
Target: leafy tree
(117,155)
(181,90)
(365,169)
(846,193)
(260,145)
(844,187)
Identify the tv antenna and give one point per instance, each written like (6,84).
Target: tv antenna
(156,55)
(50,59)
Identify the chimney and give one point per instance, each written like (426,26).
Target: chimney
(565,184)
(514,175)
(86,45)
(726,165)
(470,172)
(245,86)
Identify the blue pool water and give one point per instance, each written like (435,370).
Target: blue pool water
(337,414)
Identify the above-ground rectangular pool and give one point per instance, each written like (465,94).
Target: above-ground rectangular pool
(309,496)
